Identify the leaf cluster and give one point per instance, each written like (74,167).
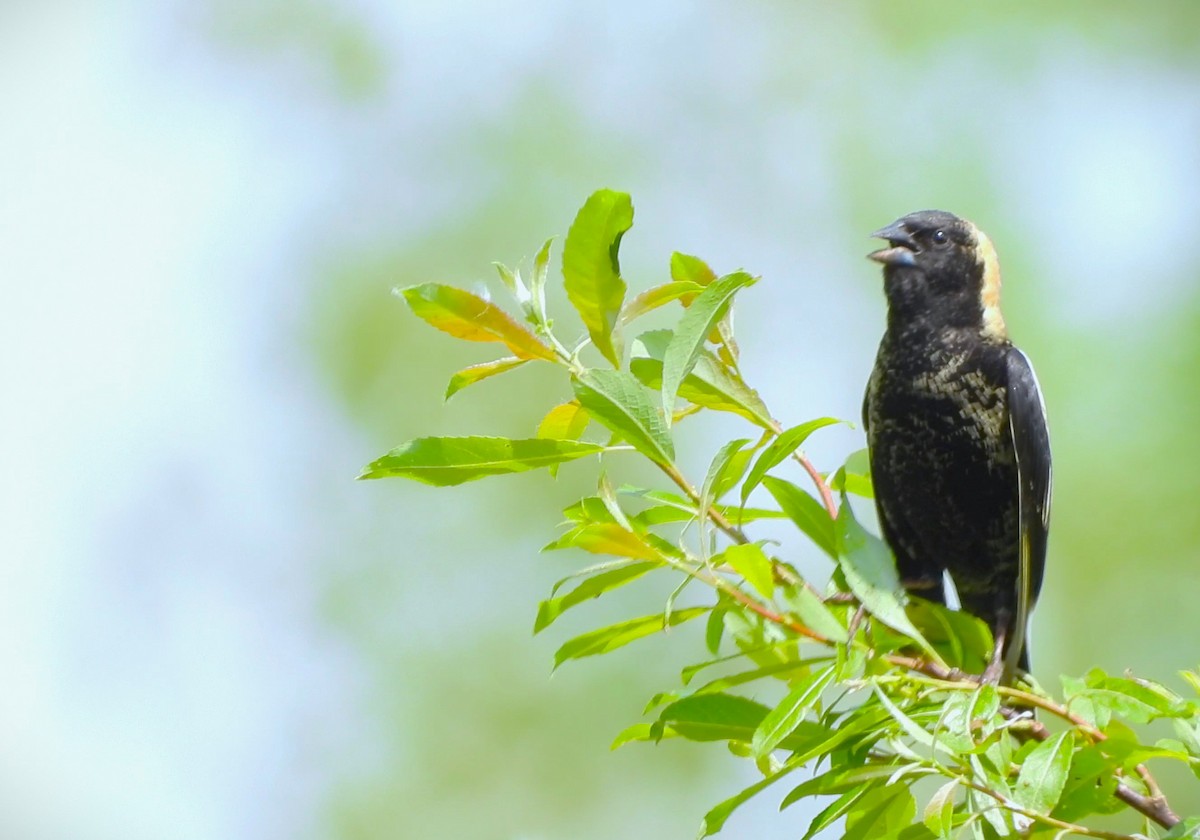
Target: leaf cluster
(872,693)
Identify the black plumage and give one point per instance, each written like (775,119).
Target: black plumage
(960,453)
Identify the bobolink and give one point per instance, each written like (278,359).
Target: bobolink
(960,453)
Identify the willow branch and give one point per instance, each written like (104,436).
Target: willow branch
(1153,806)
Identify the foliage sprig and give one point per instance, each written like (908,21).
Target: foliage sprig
(873,692)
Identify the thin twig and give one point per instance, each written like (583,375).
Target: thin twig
(822,487)
(1054,822)
(732,531)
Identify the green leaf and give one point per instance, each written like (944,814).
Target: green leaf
(714,629)
(911,728)
(1096,714)
(722,472)
(784,718)
(662,514)
(658,496)
(985,704)
(854,476)
(1142,693)
(740,516)
(716,716)
(686,268)
(809,515)
(871,575)
(939,813)
(709,385)
(749,561)
(1044,774)
(690,671)
(883,811)
(1090,785)
(469,317)
(619,402)
(779,450)
(636,732)
(444,461)
(837,780)
(1192,678)
(618,635)
(567,421)
(963,640)
(588,509)
(1107,701)
(835,810)
(593,587)
(1189,734)
(813,613)
(605,538)
(537,286)
(512,281)
(777,669)
(564,422)
(1187,829)
(716,818)
(474,373)
(591,270)
(694,327)
(652,299)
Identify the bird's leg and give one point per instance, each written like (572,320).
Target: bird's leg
(995,668)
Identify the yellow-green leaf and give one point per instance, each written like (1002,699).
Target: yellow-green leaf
(651,299)
(590,588)
(591,270)
(780,449)
(806,512)
(749,561)
(610,638)
(689,338)
(474,373)
(444,461)
(710,384)
(564,422)
(686,268)
(469,317)
(606,538)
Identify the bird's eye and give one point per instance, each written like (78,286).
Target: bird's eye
(940,238)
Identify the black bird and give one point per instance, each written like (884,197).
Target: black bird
(960,453)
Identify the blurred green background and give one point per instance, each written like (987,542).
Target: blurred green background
(208,630)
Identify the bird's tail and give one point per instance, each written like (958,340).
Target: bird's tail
(1016,648)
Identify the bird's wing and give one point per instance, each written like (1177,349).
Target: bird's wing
(1031,442)
(920,576)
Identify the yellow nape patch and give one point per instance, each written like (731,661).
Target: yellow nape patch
(993,319)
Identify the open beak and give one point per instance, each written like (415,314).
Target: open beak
(903,246)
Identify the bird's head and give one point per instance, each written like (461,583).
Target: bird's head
(942,270)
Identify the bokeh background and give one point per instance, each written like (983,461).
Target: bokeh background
(209,630)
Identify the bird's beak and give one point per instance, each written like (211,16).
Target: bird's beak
(904,247)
